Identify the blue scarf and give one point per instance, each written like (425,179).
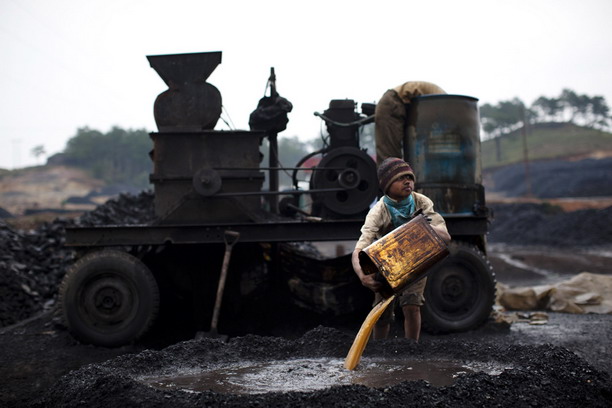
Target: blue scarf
(400,211)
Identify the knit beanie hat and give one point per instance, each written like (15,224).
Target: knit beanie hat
(390,169)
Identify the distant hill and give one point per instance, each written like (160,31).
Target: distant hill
(548,141)
(565,160)
(51,187)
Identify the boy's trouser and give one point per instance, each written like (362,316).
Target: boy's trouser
(412,295)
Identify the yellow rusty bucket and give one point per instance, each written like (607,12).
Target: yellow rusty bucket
(404,255)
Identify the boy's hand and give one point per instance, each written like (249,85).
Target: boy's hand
(369,282)
(366,280)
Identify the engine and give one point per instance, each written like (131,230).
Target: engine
(344,183)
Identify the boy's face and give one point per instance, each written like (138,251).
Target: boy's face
(401,187)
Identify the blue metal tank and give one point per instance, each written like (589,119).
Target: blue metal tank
(442,144)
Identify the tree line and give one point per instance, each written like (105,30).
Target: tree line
(119,157)
(583,110)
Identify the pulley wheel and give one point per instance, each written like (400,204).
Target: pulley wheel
(206,182)
(351,171)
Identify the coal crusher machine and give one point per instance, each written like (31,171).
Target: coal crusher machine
(230,250)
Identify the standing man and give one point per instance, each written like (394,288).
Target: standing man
(390,116)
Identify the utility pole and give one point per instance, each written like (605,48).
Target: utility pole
(528,192)
(16,153)
(498,148)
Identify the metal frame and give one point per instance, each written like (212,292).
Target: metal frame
(283,231)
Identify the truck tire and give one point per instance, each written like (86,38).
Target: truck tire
(109,298)
(460,292)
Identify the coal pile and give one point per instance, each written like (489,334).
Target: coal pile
(554,178)
(128,209)
(538,376)
(33,263)
(545,224)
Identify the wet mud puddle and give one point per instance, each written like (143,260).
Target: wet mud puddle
(307,375)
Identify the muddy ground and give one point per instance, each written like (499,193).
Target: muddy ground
(565,362)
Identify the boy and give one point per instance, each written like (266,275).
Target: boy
(396,180)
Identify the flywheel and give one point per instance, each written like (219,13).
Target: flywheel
(351,173)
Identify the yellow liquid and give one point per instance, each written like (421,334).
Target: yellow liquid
(354,354)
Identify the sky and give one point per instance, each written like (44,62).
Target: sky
(69,64)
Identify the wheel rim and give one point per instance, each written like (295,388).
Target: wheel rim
(108,301)
(454,291)
(460,292)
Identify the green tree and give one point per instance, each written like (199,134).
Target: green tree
(502,118)
(118,157)
(600,112)
(547,109)
(573,103)
(38,151)
(574,108)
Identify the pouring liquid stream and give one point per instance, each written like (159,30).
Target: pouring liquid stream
(361,340)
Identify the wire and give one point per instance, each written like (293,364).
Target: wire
(225,121)
(232,126)
(303,160)
(281,167)
(359,122)
(324,140)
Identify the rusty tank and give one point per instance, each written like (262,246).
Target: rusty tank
(404,255)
